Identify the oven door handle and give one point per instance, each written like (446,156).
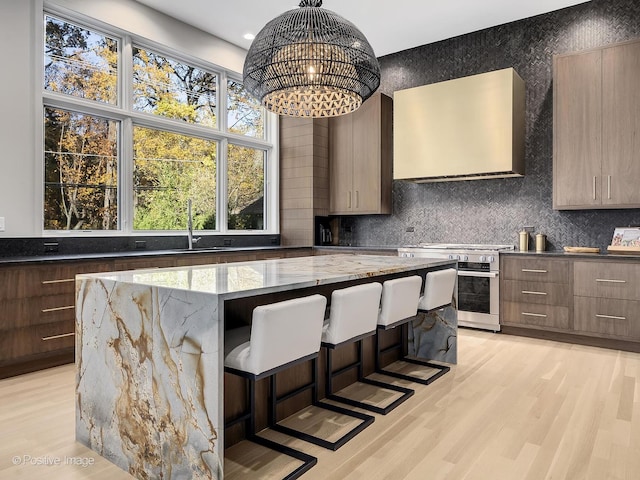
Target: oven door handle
(465,273)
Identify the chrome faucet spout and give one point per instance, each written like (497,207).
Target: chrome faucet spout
(189,225)
(192,241)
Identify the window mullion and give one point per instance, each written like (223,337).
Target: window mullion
(125,68)
(222,193)
(222,102)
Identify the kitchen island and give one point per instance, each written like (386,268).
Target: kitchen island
(149,352)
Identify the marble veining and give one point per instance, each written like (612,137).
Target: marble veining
(434,335)
(149,359)
(148,379)
(243,278)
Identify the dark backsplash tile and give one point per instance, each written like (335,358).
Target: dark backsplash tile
(493,211)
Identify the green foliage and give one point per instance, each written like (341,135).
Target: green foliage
(81,151)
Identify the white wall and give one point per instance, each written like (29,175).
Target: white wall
(20,24)
(17,120)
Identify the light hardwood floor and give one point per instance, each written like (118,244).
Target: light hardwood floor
(513,408)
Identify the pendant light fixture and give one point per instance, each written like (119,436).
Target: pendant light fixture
(311,62)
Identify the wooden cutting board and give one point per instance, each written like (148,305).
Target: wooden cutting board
(581,249)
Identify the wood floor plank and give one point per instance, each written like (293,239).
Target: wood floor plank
(513,408)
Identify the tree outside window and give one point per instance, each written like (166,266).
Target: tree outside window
(170,169)
(173,122)
(80,171)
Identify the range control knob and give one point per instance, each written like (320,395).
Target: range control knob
(452,257)
(483,259)
(464,258)
(491,259)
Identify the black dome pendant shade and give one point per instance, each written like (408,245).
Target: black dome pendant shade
(311,62)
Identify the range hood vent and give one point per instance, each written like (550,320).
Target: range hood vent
(469,128)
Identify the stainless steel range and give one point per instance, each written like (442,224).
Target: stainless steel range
(478,279)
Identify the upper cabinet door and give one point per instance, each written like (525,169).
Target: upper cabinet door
(361,159)
(341,165)
(577,132)
(621,125)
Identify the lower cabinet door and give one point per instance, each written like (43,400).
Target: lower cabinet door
(607,317)
(24,342)
(535,315)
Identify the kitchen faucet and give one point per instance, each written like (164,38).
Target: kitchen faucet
(190,238)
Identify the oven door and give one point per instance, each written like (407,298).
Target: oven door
(478,299)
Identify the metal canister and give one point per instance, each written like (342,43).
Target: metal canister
(524,241)
(541,242)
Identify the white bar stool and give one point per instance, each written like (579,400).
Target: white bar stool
(280,336)
(401,301)
(352,318)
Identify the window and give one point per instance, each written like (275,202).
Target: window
(173,89)
(80,62)
(126,154)
(245,116)
(80,171)
(170,169)
(245,185)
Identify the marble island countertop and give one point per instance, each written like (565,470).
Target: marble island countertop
(150,344)
(264,276)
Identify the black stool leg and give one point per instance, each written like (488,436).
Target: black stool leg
(274,399)
(308,461)
(442,369)
(406,392)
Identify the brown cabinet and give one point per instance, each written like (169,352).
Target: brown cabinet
(360,159)
(594,298)
(596,124)
(535,293)
(37,313)
(37,302)
(607,299)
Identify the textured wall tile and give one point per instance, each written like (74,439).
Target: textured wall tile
(493,211)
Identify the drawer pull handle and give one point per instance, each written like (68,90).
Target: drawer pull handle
(527,314)
(64,280)
(530,270)
(527,292)
(605,280)
(611,317)
(62,335)
(57,309)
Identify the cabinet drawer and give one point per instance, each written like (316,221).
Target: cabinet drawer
(23,342)
(607,280)
(135,263)
(536,292)
(607,317)
(530,314)
(57,279)
(23,312)
(535,269)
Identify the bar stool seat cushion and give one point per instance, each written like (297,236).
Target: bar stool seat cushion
(280,333)
(438,289)
(353,312)
(399,299)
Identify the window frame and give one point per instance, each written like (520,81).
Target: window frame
(124,113)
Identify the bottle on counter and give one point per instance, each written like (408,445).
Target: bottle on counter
(541,242)
(524,241)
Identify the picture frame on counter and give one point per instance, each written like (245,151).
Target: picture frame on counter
(626,240)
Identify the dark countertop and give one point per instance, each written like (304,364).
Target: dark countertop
(344,248)
(557,254)
(135,254)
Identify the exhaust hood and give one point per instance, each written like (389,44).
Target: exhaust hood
(464,129)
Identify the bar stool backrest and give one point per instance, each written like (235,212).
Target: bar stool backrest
(285,331)
(400,299)
(354,312)
(438,289)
